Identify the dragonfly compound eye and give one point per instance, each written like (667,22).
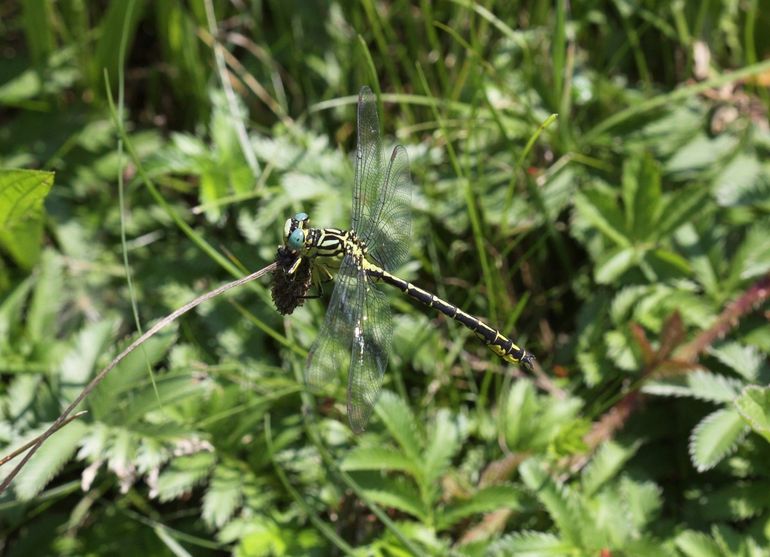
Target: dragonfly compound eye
(296,239)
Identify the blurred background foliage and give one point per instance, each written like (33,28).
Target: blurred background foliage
(624,243)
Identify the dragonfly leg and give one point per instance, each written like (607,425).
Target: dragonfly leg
(294,266)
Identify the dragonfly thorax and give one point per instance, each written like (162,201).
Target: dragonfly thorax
(304,241)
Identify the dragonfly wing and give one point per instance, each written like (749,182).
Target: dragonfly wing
(369,353)
(391,221)
(331,349)
(369,169)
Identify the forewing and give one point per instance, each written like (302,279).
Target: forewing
(387,236)
(330,352)
(369,354)
(368,161)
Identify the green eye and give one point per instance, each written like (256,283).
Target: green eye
(296,239)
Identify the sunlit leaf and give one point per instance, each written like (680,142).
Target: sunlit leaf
(754,407)
(715,437)
(49,460)
(21,212)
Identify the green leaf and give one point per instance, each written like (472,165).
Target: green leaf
(754,407)
(484,500)
(532,544)
(600,209)
(443,444)
(47,300)
(183,474)
(680,208)
(744,360)
(700,384)
(519,408)
(667,265)
(614,263)
(172,388)
(223,496)
(378,458)
(49,460)
(641,196)
(731,541)
(715,437)
(738,180)
(752,259)
(701,152)
(38,30)
(737,501)
(131,372)
(21,213)
(400,422)
(643,500)
(78,363)
(697,544)
(12,310)
(605,464)
(106,51)
(559,501)
(396,493)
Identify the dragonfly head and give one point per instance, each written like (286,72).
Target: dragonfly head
(295,231)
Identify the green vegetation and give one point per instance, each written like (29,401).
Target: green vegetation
(624,243)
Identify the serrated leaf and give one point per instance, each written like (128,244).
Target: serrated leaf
(395,493)
(715,437)
(600,210)
(697,544)
(401,423)
(378,458)
(700,384)
(666,264)
(679,208)
(700,152)
(170,388)
(131,372)
(745,360)
(223,496)
(752,260)
(605,464)
(484,500)
(516,418)
(442,445)
(21,212)
(713,386)
(641,196)
(183,474)
(737,180)
(558,501)
(78,363)
(12,309)
(754,407)
(643,500)
(734,502)
(729,540)
(614,263)
(49,460)
(46,300)
(532,544)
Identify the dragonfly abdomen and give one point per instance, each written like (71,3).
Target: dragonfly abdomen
(496,341)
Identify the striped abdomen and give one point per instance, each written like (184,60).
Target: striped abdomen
(497,342)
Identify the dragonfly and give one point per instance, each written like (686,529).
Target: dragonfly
(358,327)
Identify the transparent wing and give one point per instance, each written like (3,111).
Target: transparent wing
(368,353)
(391,221)
(368,161)
(330,352)
(382,194)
